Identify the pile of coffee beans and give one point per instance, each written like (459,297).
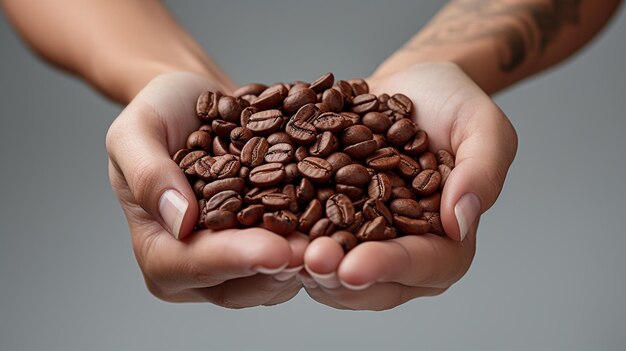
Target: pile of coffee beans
(324,159)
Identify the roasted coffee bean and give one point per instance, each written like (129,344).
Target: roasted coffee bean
(358,221)
(428,160)
(380,140)
(266,102)
(372,230)
(265,122)
(297,99)
(445,173)
(353,174)
(282,222)
(417,145)
(240,136)
(226,200)
(431,203)
(279,137)
(385,159)
(377,122)
(200,222)
(329,121)
(351,118)
(222,128)
(364,103)
(395,180)
(229,108)
(358,204)
(202,168)
(216,186)
(191,158)
(361,150)
(298,86)
(199,140)
(355,134)
(410,226)
(426,182)
(323,194)
(338,160)
(325,144)
(434,219)
(179,155)
(280,153)
(250,215)
(315,169)
(390,232)
(408,167)
(220,220)
(250,89)
(402,193)
(310,216)
(248,99)
(322,83)
(253,153)
(197,187)
(276,201)
(379,187)
(305,191)
(246,114)
(255,196)
(406,207)
(322,107)
(350,191)
(401,132)
(206,108)
(382,102)
(323,227)
(281,88)
(345,89)
(359,86)
(302,152)
(226,166)
(220,146)
(340,210)
(373,208)
(268,174)
(346,239)
(291,172)
(400,103)
(290,191)
(206,128)
(233,150)
(244,172)
(333,99)
(301,131)
(445,158)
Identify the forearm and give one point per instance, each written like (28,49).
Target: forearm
(499,42)
(118,46)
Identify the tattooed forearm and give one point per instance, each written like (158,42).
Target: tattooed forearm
(519,27)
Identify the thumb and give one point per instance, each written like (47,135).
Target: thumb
(485,144)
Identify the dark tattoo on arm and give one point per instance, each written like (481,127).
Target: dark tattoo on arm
(519,28)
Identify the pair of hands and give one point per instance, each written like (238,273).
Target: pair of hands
(241,268)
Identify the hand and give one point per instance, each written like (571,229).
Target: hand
(160,206)
(458,116)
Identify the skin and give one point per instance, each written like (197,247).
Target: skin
(471,49)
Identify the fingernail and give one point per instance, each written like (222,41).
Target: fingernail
(466,211)
(328,280)
(307,282)
(172,207)
(270,271)
(287,273)
(355,287)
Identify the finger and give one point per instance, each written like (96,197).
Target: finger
(485,144)
(298,243)
(140,143)
(321,260)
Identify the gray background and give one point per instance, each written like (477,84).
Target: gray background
(549,271)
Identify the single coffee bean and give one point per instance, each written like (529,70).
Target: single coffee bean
(280,153)
(222,128)
(246,114)
(333,99)
(359,86)
(226,200)
(290,191)
(379,187)
(390,232)
(281,88)
(250,215)
(385,159)
(351,118)
(220,220)
(338,160)
(200,222)
(346,240)
(297,87)
(445,158)
(202,168)
(382,102)
(431,203)
(246,100)
(400,103)
(364,103)
(301,131)
(206,128)
(353,174)
(255,196)
(417,145)
(434,219)
(299,98)
(226,166)
(322,107)
(323,194)
(279,137)
(305,191)
(253,153)
(310,216)
(355,134)
(402,193)
(401,132)
(428,160)
(229,108)
(307,113)
(361,150)
(323,227)
(322,83)
(353,192)
(216,186)
(408,168)
(265,122)
(358,221)
(406,207)
(240,136)
(220,146)
(276,201)
(267,102)
(377,122)
(250,89)
(373,230)
(302,152)
(445,173)
(199,140)
(340,210)
(373,208)
(291,172)
(281,222)
(395,180)
(325,144)
(426,182)
(329,121)
(191,158)
(179,155)
(345,89)
(234,150)
(197,187)
(380,140)
(315,169)
(244,172)
(206,108)
(268,174)
(358,203)
(410,226)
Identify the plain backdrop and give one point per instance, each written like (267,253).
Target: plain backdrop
(549,270)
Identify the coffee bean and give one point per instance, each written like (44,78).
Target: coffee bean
(179,155)
(380,140)
(323,227)
(406,207)
(352,174)
(379,187)
(329,121)
(315,169)
(353,192)
(202,168)
(220,146)
(191,158)
(382,102)
(338,160)
(408,167)
(340,210)
(322,83)
(276,201)
(325,144)
(220,220)
(345,89)
(226,200)
(279,137)
(322,107)
(244,172)
(250,89)
(280,153)
(301,153)
(222,128)
(281,88)
(226,166)
(385,159)
(364,103)
(281,222)
(359,86)
(305,192)
(417,145)
(445,158)
(402,193)
(323,194)
(401,132)
(346,240)
(361,150)
(299,98)
(445,173)
(246,114)
(250,215)
(410,226)
(373,208)
(266,102)
(401,104)
(358,221)
(426,182)
(253,153)
(355,134)
(395,180)
(291,172)
(200,222)
(377,122)
(240,136)
(431,203)
(255,196)
(428,160)
(434,220)
(333,99)
(351,118)
(390,232)
(310,216)
(229,108)
(301,131)
(216,186)
(268,174)
(197,187)
(206,108)
(372,230)
(290,191)
(199,140)
(265,122)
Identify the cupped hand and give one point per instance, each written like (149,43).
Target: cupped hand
(458,116)
(231,268)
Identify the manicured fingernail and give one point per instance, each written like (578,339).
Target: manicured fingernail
(356,287)
(172,207)
(287,273)
(270,271)
(308,282)
(466,211)
(328,280)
